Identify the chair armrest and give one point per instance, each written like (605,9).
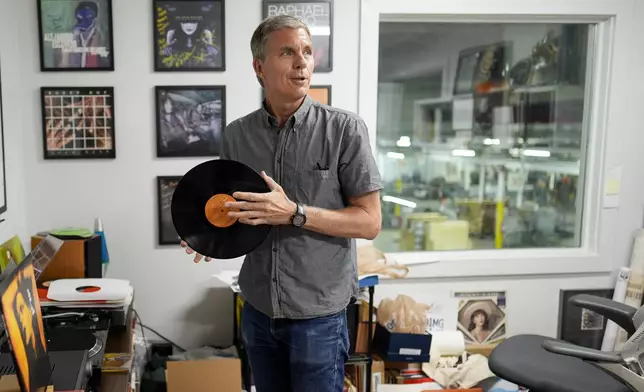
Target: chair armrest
(617,312)
(584,353)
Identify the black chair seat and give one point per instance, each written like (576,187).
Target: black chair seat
(521,360)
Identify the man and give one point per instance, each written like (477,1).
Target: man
(324,193)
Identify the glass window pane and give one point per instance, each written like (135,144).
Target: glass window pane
(481,135)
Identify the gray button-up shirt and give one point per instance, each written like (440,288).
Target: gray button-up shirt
(320,157)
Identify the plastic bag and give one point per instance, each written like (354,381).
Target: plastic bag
(372,260)
(403,315)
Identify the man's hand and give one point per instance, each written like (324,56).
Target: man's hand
(272,208)
(190,251)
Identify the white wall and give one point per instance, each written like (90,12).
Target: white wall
(10,66)
(175,296)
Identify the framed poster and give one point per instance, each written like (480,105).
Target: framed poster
(482,317)
(580,326)
(318,15)
(3,170)
(165,189)
(189,35)
(189,120)
(78,122)
(75,35)
(322,94)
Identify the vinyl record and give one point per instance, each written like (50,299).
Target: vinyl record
(201,220)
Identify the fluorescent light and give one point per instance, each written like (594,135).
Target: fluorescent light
(404,141)
(395,155)
(463,153)
(536,153)
(397,200)
(491,142)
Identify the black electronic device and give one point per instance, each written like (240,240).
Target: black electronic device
(199,215)
(69,370)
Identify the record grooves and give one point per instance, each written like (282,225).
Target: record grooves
(199,215)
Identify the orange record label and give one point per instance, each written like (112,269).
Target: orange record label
(217,214)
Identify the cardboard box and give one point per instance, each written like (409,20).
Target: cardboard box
(401,347)
(208,375)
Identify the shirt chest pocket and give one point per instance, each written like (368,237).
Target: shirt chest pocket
(318,188)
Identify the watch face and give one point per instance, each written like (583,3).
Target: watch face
(298,220)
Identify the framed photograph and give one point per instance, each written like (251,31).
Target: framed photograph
(75,35)
(189,35)
(78,122)
(189,120)
(318,15)
(482,317)
(165,189)
(579,326)
(3,171)
(322,94)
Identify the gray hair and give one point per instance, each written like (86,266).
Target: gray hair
(269,25)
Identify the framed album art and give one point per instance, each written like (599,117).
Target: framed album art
(482,317)
(189,120)
(318,15)
(322,94)
(78,122)
(75,35)
(580,326)
(189,35)
(165,189)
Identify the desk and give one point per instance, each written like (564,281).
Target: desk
(364,359)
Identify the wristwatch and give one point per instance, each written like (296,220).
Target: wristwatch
(299,218)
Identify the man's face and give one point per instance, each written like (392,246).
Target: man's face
(288,66)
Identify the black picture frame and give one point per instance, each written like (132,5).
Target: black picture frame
(579,326)
(318,15)
(3,202)
(166,12)
(56,42)
(189,116)
(78,122)
(167,234)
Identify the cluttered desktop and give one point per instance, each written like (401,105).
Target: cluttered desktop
(62,322)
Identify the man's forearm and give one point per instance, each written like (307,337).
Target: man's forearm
(349,222)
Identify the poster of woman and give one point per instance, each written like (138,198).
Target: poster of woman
(482,317)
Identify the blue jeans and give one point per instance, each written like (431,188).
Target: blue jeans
(296,355)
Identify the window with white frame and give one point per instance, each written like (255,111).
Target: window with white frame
(480,134)
(490,122)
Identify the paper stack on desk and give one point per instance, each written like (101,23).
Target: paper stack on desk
(90,293)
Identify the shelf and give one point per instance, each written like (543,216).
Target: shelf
(357,359)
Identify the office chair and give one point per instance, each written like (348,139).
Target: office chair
(544,364)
